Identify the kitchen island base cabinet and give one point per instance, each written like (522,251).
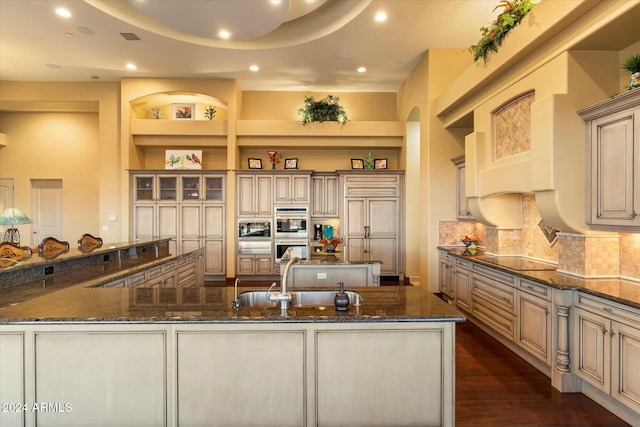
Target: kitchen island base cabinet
(223,374)
(330,274)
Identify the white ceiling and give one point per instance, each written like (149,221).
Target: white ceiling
(298,45)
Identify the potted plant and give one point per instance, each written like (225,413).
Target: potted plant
(325,110)
(632,64)
(209,112)
(513,11)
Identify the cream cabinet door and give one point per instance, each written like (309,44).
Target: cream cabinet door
(625,359)
(144,222)
(534,326)
(593,346)
(462,279)
(291,189)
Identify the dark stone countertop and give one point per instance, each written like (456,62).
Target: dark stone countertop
(620,291)
(214,304)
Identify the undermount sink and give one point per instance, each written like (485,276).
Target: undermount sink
(307,298)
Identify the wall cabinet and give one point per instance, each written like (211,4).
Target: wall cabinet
(186,207)
(292,188)
(324,193)
(255,195)
(613,150)
(373,220)
(607,348)
(462,205)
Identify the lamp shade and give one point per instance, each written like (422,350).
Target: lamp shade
(14,216)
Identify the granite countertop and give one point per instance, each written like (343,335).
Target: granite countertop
(620,291)
(213,304)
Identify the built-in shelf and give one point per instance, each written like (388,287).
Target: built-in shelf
(295,128)
(178,127)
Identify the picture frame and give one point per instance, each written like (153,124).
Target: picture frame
(183,112)
(255,163)
(183,159)
(291,163)
(380,163)
(357,164)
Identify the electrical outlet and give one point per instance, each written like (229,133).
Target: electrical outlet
(105,258)
(322,275)
(48,270)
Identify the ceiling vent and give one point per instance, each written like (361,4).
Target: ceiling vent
(130,36)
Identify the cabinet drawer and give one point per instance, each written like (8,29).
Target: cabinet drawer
(460,263)
(494,274)
(186,276)
(497,293)
(137,279)
(169,266)
(502,322)
(155,272)
(536,289)
(607,308)
(120,283)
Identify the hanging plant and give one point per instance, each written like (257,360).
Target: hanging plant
(513,11)
(325,110)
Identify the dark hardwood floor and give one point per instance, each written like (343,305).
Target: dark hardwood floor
(494,387)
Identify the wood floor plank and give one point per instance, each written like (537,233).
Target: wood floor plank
(495,387)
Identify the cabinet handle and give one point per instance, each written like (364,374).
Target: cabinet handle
(366,231)
(634,214)
(607,309)
(604,330)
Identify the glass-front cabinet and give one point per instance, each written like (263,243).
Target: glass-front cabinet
(155,188)
(191,188)
(213,189)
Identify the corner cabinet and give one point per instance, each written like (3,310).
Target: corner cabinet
(372,219)
(187,207)
(613,166)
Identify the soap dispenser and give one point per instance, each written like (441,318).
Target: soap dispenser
(341,299)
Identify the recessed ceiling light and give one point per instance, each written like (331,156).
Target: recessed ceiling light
(276,1)
(131,66)
(85,30)
(61,11)
(68,35)
(254,68)
(361,69)
(381,17)
(224,34)
(53,66)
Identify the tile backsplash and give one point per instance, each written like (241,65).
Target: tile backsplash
(602,255)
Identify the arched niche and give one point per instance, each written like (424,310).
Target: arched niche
(141,108)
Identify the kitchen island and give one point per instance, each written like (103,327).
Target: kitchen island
(185,357)
(329,271)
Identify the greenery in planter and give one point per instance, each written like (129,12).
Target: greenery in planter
(325,110)
(632,64)
(210,112)
(491,37)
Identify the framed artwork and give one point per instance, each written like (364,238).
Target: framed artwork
(357,164)
(291,163)
(380,164)
(255,163)
(184,112)
(183,159)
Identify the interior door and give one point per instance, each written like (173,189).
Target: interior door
(46,209)
(6,194)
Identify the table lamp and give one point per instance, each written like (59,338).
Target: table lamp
(12,217)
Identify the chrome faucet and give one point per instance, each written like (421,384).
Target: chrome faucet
(283,297)
(235,304)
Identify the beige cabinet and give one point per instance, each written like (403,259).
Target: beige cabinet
(607,348)
(462,283)
(255,264)
(372,220)
(613,150)
(493,300)
(324,195)
(446,275)
(462,205)
(534,320)
(255,195)
(292,188)
(186,207)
